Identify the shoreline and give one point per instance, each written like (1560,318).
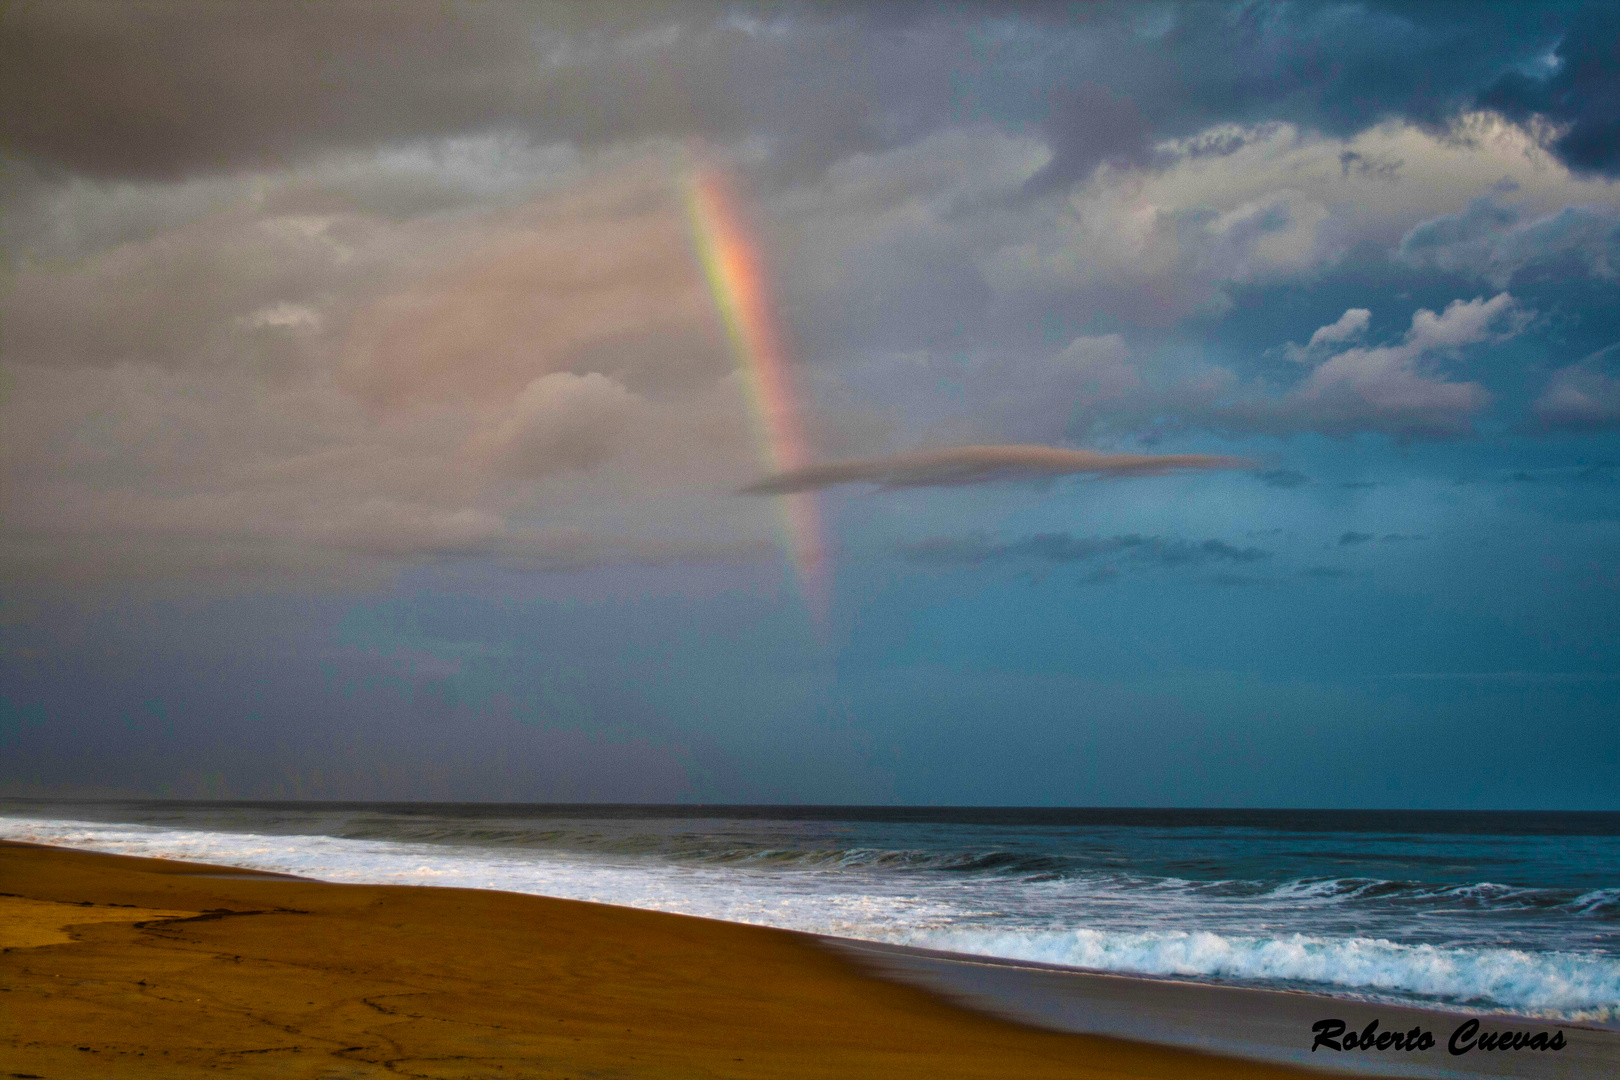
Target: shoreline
(292,978)
(871,1008)
(1244,1022)
(1299,925)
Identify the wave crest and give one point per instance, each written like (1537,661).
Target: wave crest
(1566,985)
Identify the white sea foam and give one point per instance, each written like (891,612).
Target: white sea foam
(1026,920)
(1595,902)
(1569,985)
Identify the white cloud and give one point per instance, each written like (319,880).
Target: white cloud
(1153,245)
(558,421)
(1465,323)
(1396,389)
(285,316)
(387,527)
(1102,367)
(1581,397)
(546,382)
(1352,324)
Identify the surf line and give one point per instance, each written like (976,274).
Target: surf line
(741,292)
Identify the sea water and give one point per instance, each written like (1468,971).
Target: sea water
(1509,911)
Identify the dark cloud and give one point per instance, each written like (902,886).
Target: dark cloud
(1604,472)
(171,89)
(1219,549)
(1176,70)
(1576,104)
(1088,126)
(979,465)
(1482,218)
(1282,478)
(160,90)
(1133,551)
(1491,241)
(1354,538)
(1367,166)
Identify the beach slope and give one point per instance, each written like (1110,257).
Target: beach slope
(120,967)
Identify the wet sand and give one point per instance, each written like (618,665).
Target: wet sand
(1244,1022)
(175,970)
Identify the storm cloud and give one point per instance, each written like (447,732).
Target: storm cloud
(1575,94)
(167,90)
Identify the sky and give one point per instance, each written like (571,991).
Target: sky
(1100,405)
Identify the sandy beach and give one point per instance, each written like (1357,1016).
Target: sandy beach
(115,966)
(1255,1024)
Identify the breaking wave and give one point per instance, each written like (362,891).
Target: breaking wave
(1535,950)
(1570,986)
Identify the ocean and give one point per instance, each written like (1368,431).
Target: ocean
(1477,911)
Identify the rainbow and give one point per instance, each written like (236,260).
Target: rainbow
(737,282)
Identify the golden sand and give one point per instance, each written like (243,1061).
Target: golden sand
(27,923)
(209,971)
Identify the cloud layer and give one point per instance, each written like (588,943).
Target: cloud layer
(360,285)
(298,386)
(168,90)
